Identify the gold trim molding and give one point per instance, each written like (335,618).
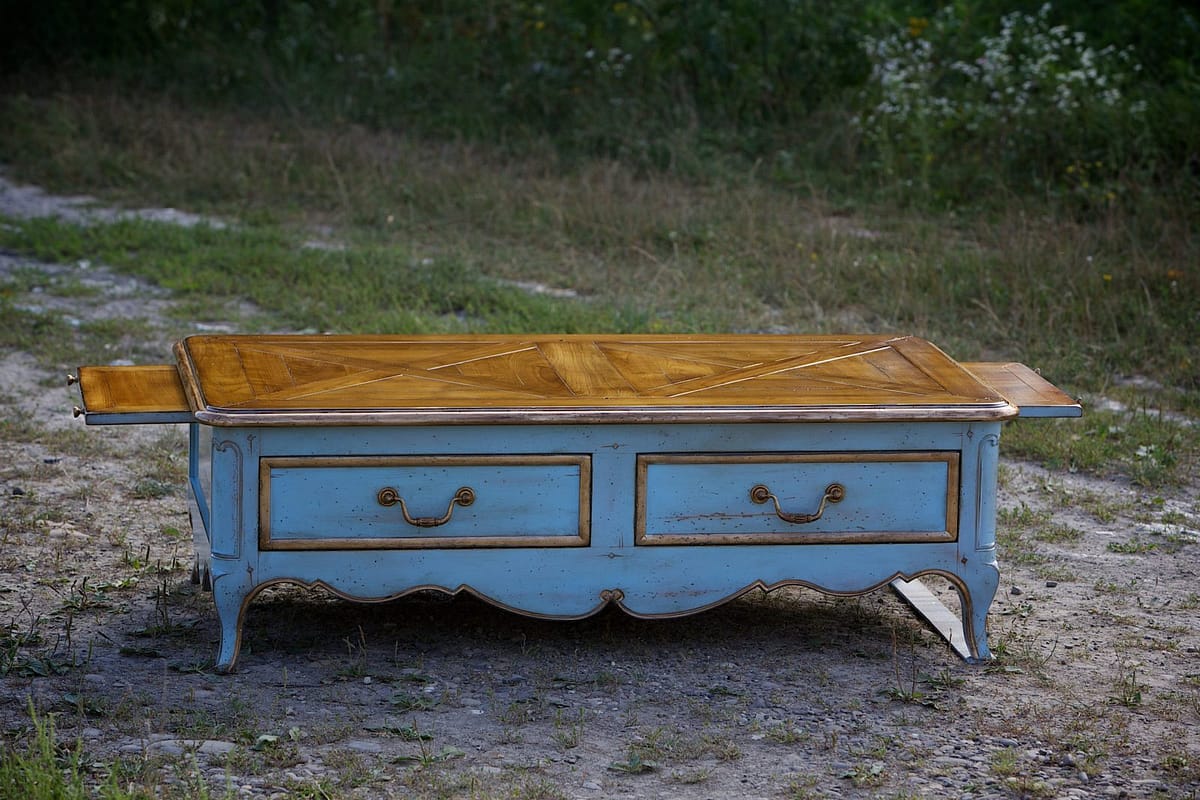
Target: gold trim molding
(582,537)
(950,534)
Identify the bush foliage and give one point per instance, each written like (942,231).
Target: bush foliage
(1088,101)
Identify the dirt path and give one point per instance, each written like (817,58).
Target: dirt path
(1096,692)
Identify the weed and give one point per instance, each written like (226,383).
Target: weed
(516,713)
(720,747)
(1180,764)
(788,732)
(1057,533)
(633,764)
(44,770)
(1022,517)
(151,489)
(1029,787)
(322,788)
(1103,509)
(692,777)
(82,598)
(864,774)
(427,757)
(1018,654)
(1017,549)
(275,752)
(654,743)
(25,652)
(944,680)
(905,689)
(804,787)
(356,651)
(406,701)
(84,705)
(1128,692)
(607,680)
(1004,762)
(568,733)
(1106,586)
(1133,546)
(1055,573)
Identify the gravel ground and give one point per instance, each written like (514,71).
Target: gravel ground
(1096,691)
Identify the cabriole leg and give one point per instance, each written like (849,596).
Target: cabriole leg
(231,599)
(976,599)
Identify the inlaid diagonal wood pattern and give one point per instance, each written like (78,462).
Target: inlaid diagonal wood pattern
(293,373)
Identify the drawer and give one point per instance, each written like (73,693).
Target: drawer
(797,498)
(362,503)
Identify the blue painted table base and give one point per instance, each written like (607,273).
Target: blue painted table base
(634,515)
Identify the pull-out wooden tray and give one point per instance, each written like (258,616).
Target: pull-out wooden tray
(134,394)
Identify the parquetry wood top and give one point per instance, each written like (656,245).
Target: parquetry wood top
(296,380)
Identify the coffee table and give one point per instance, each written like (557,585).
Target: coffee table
(556,475)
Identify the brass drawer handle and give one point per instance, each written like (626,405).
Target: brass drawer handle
(389,497)
(834,493)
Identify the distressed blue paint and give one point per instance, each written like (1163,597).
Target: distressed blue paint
(713,499)
(322,501)
(575,581)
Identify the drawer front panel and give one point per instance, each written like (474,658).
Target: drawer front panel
(794,498)
(357,503)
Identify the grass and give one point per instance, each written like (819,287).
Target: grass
(63,345)
(1151,449)
(46,769)
(434,235)
(38,772)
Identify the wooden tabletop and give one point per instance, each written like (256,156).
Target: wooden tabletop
(297,380)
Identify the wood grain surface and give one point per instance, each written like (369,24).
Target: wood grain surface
(132,389)
(394,380)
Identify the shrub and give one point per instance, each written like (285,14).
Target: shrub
(1034,105)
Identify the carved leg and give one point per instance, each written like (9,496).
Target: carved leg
(976,596)
(230,598)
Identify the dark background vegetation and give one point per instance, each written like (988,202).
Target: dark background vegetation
(663,82)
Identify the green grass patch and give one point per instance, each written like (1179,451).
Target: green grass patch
(44,768)
(62,345)
(38,773)
(368,288)
(29,330)
(1150,449)
(1134,546)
